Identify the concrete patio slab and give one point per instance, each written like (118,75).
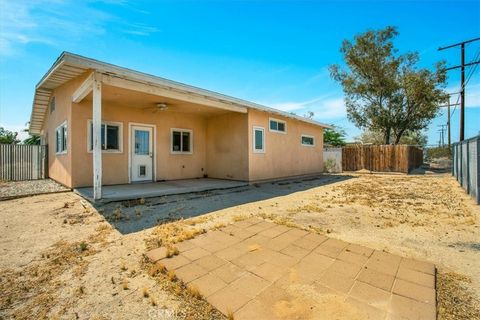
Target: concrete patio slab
(157,189)
(266,271)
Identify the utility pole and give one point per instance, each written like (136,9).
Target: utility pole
(462,80)
(442,134)
(448,123)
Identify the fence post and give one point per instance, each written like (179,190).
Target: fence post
(478,170)
(468,166)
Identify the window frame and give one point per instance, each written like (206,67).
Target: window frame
(262,129)
(63,128)
(181,130)
(106,123)
(307,136)
(278,121)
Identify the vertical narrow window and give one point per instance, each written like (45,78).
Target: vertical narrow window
(181,141)
(52,104)
(258,140)
(61,138)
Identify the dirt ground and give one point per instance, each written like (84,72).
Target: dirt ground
(63,258)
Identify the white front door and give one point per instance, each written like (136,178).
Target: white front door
(141,142)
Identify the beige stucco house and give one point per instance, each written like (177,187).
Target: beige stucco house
(108,125)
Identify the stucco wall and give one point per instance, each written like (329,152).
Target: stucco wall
(115,165)
(60,165)
(284,154)
(227,147)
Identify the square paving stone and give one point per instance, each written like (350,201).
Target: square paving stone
(336,281)
(345,268)
(264,305)
(330,248)
(184,245)
(376,278)
(383,263)
(210,262)
(157,254)
(352,258)
(371,295)
(232,252)
(249,284)
(195,253)
(418,277)
(190,272)
(273,232)
(422,266)
(366,311)
(269,272)
(229,272)
(227,300)
(411,309)
(295,251)
(208,284)
(174,262)
(355,248)
(310,241)
(414,291)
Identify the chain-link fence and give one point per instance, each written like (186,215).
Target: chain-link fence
(466,165)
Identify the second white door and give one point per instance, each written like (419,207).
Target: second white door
(142,153)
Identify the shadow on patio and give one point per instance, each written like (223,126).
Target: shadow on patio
(135,215)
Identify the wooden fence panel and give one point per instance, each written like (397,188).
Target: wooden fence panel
(23,162)
(382,158)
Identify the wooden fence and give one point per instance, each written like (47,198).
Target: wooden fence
(23,162)
(382,158)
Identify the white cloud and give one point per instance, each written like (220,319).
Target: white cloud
(58,23)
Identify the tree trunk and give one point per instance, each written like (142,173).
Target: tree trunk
(386,136)
(398,136)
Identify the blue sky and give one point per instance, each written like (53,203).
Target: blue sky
(271,52)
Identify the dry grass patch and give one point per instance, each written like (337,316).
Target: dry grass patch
(454,300)
(171,233)
(197,308)
(33,291)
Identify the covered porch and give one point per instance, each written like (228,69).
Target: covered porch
(156,189)
(141,108)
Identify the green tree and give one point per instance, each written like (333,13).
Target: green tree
(384,91)
(334,137)
(8,137)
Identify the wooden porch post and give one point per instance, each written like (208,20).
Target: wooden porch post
(97,138)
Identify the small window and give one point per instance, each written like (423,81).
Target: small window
(278,126)
(308,141)
(61,139)
(258,140)
(52,104)
(181,141)
(111,136)
(142,171)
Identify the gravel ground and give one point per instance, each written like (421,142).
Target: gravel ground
(18,189)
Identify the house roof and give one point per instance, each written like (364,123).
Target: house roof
(68,66)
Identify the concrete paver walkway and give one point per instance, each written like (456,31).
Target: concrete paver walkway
(260,270)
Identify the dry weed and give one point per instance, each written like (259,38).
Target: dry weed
(454,300)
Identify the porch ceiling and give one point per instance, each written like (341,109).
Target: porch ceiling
(147,102)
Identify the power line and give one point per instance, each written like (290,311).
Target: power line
(462,79)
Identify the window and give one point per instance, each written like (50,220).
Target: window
(52,104)
(258,140)
(278,126)
(308,141)
(111,136)
(182,141)
(61,139)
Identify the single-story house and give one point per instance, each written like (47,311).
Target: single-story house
(108,125)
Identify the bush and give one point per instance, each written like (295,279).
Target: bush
(438,152)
